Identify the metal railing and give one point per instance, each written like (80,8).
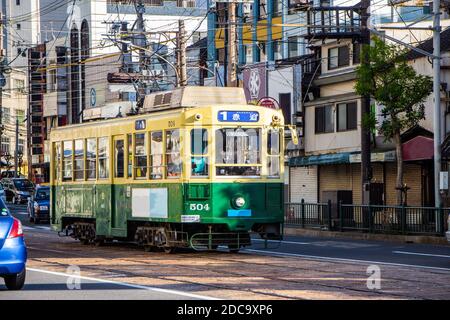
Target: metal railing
(405,220)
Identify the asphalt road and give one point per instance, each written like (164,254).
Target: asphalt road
(46,284)
(381,252)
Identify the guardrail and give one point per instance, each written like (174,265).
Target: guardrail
(405,220)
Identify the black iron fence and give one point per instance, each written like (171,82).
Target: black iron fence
(367,218)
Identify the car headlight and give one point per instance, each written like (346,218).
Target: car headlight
(239,202)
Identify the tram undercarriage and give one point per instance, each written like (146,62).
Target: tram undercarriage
(171,236)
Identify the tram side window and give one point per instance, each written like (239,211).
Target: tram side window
(67,162)
(57,161)
(140,158)
(130,155)
(273,151)
(157,152)
(91,158)
(79,160)
(199,148)
(103,158)
(173,159)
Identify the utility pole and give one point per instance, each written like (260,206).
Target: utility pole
(366,167)
(182,82)
(141,41)
(437,105)
(231,66)
(16,152)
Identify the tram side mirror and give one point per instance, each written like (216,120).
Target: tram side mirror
(294,134)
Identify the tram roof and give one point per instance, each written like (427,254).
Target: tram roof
(194,97)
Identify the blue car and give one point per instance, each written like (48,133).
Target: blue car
(13,252)
(39,205)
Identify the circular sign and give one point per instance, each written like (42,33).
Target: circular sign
(269,102)
(93,97)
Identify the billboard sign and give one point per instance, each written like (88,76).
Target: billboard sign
(255,80)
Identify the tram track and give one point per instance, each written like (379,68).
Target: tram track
(240,263)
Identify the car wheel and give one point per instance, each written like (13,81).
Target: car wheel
(16,281)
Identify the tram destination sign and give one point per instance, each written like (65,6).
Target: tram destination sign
(238,116)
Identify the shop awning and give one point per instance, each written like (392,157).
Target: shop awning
(323,159)
(418,148)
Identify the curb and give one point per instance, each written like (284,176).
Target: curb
(292,231)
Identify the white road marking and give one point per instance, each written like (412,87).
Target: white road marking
(135,286)
(287,242)
(421,254)
(265,252)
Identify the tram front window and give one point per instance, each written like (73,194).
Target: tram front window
(238,152)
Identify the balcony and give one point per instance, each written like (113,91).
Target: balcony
(334,22)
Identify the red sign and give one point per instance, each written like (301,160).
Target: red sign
(269,103)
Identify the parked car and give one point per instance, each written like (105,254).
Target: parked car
(17,190)
(2,193)
(39,205)
(13,251)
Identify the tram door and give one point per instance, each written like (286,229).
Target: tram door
(119,186)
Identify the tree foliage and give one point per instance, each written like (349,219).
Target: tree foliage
(394,84)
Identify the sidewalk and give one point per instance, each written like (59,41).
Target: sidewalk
(296,231)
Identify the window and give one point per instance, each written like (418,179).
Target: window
(91,159)
(79,160)
(277,50)
(249,54)
(6,142)
(324,119)
(273,151)
(130,155)
(57,161)
(140,158)
(103,158)
(21,146)
(346,116)
(173,158)
(293,46)
(67,161)
(18,26)
(19,85)
(17,2)
(338,57)
(157,154)
(276,8)
(199,148)
(240,147)
(119,159)
(6,115)
(356,53)
(20,114)
(263,9)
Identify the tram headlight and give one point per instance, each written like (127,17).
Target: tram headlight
(239,202)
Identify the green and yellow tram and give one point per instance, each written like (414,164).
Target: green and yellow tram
(198,168)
